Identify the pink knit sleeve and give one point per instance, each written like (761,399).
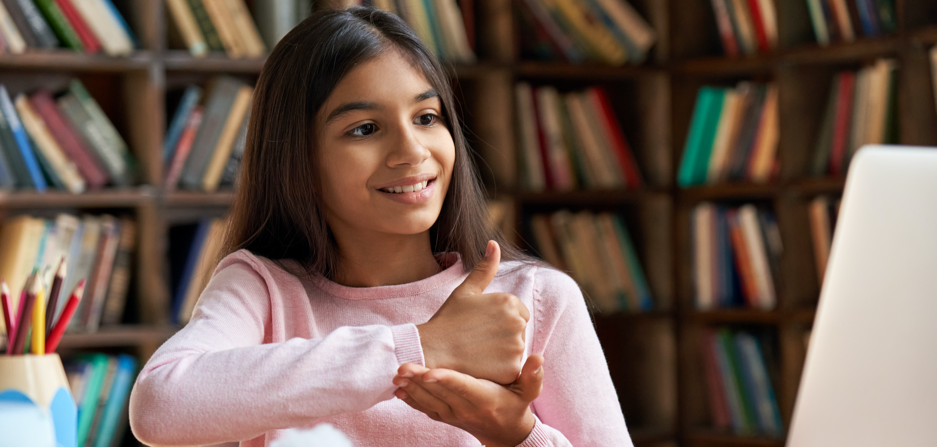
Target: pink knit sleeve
(215,380)
(578,405)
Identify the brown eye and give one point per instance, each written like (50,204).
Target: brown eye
(427,120)
(364,130)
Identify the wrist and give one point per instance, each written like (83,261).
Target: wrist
(514,436)
(434,354)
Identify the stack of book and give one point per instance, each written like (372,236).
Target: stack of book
(741,394)
(862,109)
(842,20)
(823,212)
(447,28)
(85,26)
(98,249)
(733,136)
(194,252)
(736,253)
(746,27)
(63,141)
(101,384)
(598,252)
(206,137)
(572,140)
(607,31)
(217,26)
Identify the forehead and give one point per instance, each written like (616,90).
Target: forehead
(388,77)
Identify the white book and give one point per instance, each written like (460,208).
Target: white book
(703,246)
(728,122)
(10,33)
(104,25)
(758,256)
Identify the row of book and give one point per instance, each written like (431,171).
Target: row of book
(98,249)
(862,109)
(572,140)
(219,26)
(205,139)
(193,255)
(100,385)
(60,140)
(823,211)
(599,253)
(446,27)
(746,27)
(741,390)
(606,31)
(85,26)
(736,254)
(733,136)
(842,20)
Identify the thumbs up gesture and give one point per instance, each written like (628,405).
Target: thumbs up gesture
(478,334)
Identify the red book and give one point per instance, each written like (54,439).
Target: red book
(759,24)
(843,121)
(742,262)
(718,407)
(74,147)
(617,139)
(88,39)
(183,147)
(724,21)
(544,145)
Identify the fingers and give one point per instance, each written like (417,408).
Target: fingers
(480,276)
(529,384)
(452,387)
(402,395)
(412,389)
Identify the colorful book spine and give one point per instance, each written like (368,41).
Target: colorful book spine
(56,19)
(22,140)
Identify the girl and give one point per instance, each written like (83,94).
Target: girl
(362,284)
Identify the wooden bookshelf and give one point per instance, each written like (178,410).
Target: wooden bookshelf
(654,356)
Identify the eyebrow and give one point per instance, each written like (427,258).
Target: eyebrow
(349,107)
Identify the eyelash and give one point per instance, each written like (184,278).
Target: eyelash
(353,132)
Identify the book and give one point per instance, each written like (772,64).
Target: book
(85,260)
(101,273)
(217,107)
(599,39)
(207,260)
(699,139)
(730,46)
(233,166)
(205,25)
(551,136)
(181,153)
(818,21)
(119,283)
(91,394)
(748,133)
(59,24)
(620,148)
(822,150)
(244,28)
(15,43)
(725,131)
(843,123)
(221,19)
(740,414)
(455,31)
(821,233)
(275,18)
(703,229)
(190,99)
(107,25)
(763,157)
(529,140)
(642,290)
(742,19)
(841,15)
(33,176)
(72,145)
(546,241)
(718,407)
(185,20)
(19,237)
(222,150)
(89,41)
(27,17)
(194,247)
(114,151)
(117,399)
(758,387)
(593,141)
(64,169)
(751,229)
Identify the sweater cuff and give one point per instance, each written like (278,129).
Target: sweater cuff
(537,436)
(407,344)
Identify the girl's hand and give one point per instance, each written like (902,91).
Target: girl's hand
(497,415)
(478,334)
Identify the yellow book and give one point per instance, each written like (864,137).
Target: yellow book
(19,248)
(11,34)
(230,37)
(729,119)
(599,38)
(766,145)
(222,151)
(245,28)
(185,20)
(64,168)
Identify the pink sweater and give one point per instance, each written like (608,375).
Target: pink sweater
(266,350)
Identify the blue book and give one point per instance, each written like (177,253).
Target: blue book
(757,384)
(867,17)
(635,54)
(7,179)
(645,299)
(201,235)
(120,21)
(116,400)
(189,99)
(22,140)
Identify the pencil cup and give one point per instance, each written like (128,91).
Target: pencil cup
(36,406)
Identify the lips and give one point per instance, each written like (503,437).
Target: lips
(411,190)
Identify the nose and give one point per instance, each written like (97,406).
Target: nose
(407,150)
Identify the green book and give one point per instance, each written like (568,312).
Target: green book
(80,119)
(634,264)
(205,25)
(886,15)
(713,115)
(59,24)
(702,132)
(52,178)
(432,16)
(118,151)
(92,394)
(749,419)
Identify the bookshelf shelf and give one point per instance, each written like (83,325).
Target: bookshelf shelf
(66,60)
(734,316)
(925,36)
(708,438)
(183,61)
(591,72)
(97,199)
(120,336)
(729,191)
(845,51)
(816,186)
(723,66)
(194,199)
(583,197)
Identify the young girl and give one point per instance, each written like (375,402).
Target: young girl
(363,283)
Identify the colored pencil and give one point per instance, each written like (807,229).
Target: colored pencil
(38,346)
(56,335)
(25,314)
(7,315)
(54,295)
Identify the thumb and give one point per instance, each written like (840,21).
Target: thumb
(484,271)
(530,382)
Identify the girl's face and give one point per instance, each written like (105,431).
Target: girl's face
(385,152)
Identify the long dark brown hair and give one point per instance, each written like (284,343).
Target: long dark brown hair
(278,212)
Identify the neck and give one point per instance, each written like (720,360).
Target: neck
(384,260)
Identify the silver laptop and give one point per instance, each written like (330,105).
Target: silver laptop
(871,373)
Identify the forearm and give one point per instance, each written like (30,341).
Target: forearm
(543,435)
(188,396)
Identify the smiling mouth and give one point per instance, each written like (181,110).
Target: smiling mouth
(416,187)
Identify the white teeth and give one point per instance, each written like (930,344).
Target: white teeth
(425,182)
(409,188)
(418,187)
(398,189)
